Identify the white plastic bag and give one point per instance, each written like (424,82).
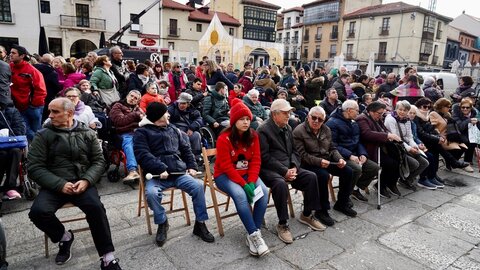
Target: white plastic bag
(473,134)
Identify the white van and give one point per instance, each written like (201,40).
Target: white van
(447,81)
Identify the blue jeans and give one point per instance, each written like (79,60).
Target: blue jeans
(153,192)
(127,146)
(33,120)
(251,221)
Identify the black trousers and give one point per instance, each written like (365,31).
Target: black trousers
(9,162)
(345,187)
(305,181)
(42,214)
(390,170)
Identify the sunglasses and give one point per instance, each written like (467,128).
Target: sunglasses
(465,108)
(315,118)
(71,96)
(426,106)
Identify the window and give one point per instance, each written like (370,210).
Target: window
(297,19)
(132,17)
(199,27)
(333,50)
(133,43)
(45,7)
(317,52)
(231,31)
(351,30)
(7,42)
(349,54)
(171,45)
(318,35)
(306,37)
(305,52)
(172,28)
(382,51)
(334,34)
(259,24)
(385,24)
(135,26)
(83,15)
(439,30)
(5,12)
(327,12)
(55,45)
(289,23)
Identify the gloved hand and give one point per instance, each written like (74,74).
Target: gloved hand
(249,191)
(253,187)
(164,175)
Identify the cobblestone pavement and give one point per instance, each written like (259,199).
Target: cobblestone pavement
(421,230)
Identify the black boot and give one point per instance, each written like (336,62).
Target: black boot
(459,164)
(200,230)
(161,236)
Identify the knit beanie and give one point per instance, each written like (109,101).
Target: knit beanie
(238,111)
(155,111)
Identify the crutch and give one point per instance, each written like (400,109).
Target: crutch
(378,181)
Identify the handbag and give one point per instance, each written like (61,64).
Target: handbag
(453,133)
(12,141)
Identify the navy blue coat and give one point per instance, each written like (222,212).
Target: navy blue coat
(160,149)
(185,120)
(218,76)
(345,135)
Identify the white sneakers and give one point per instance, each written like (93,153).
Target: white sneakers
(256,244)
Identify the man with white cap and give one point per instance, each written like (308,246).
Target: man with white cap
(161,150)
(281,166)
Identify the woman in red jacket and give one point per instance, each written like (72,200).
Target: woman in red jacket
(236,173)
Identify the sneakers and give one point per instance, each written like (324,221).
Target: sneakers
(64,251)
(324,217)
(256,244)
(200,230)
(468,169)
(348,211)
(436,183)
(383,191)
(12,195)
(131,177)
(393,189)
(113,265)
(407,185)
(311,222)
(357,195)
(283,232)
(425,183)
(161,236)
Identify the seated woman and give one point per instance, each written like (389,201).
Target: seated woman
(465,114)
(236,173)
(12,120)
(440,118)
(253,103)
(398,123)
(464,90)
(213,75)
(237,92)
(83,113)
(140,79)
(215,108)
(71,77)
(150,96)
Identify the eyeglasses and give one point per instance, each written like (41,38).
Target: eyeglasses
(315,118)
(426,106)
(465,108)
(134,97)
(71,96)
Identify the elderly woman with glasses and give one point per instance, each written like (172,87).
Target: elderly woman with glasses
(83,113)
(443,122)
(466,116)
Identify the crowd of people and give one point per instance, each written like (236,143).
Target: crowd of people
(274,127)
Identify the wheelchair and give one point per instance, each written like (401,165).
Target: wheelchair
(113,154)
(208,137)
(27,187)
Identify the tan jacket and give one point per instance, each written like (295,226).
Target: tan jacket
(440,124)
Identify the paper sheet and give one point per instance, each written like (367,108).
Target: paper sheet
(258,194)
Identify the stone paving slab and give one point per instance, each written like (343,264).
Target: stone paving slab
(470,201)
(370,256)
(395,213)
(454,220)
(425,245)
(432,198)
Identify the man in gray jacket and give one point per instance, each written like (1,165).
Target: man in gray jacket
(66,160)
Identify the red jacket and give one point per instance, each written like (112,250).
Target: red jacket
(174,93)
(232,96)
(26,79)
(247,83)
(227,159)
(71,80)
(199,73)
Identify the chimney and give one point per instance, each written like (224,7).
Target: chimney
(204,9)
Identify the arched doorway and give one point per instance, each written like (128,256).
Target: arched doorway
(81,47)
(259,57)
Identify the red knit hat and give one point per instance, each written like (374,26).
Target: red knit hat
(238,111)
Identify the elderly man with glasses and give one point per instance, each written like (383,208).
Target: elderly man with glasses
(313,141)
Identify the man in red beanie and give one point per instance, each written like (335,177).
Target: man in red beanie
(28,89)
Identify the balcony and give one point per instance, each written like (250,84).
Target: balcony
(334,36)
(286,55)
(318,37)
(295,40)
(82,23)
(294,56)
(351,34)
(332,54)
(349,56)
(384,31)
(279,40)
(306,38)
(286,40)
(381,57)
(173,32)
(316,55)
(288,25)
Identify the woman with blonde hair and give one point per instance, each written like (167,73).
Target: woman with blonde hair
(214,74)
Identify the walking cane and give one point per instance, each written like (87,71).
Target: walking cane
(378,182)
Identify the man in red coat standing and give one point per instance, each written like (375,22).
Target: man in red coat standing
(28,89)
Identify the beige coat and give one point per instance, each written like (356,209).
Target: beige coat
(440,124)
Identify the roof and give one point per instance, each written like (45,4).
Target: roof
(314,3)
(175,5)
(391,9)
(200,16)
(299,9)
(260,3)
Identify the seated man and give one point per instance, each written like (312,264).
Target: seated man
(188,120)
(313,141)
(215,108)
(281,165)
(161,150)
(346,136)
(331,102)
(65,160)
(125,115)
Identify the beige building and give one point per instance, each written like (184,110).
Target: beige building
(324,27)
(290,34)
(399,34)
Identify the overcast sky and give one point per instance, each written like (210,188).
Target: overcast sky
(449,8)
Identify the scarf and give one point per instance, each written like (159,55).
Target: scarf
(399,120)
(176,79)
(143,78)
(79,108)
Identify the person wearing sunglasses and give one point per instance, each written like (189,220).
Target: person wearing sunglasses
(313,141)
(466,117)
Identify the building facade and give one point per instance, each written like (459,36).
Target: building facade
(399,34)
(290,33)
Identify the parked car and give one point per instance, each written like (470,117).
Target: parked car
(447,81)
